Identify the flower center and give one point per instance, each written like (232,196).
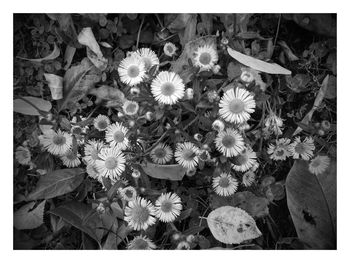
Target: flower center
(159,153)
(133,71)
(102,124)
(299,148)
(71,156)
(236,106)
(59,140)
(188,155)
(280,152)
(168,89)
(119,136)
(141,214)
(111,163)
(77,130)
(170,49)
(129,193)
(131,108)
(224,182)
(240,159)
(315,163)
(166,206)
(140,244)
(205,58)
(228,141)
(147,62)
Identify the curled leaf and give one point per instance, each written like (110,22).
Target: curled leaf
(56,85)
(54,54)
(257,64)
(232,225)
(86,37)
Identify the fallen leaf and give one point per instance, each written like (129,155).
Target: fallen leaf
(54,54)
(30,106)
(173,172)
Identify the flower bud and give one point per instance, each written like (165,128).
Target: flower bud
(218,125)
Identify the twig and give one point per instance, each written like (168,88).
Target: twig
(138,33)
(193,121)
(160,22)
(277,31)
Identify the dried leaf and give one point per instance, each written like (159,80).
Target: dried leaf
(55,84)
(30,106)
(288,51)
(26,219)
(54,54)
(232,225)
(173,172)
(68,56)
(257,64)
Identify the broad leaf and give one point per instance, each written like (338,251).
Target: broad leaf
(258,64)
(54,54)
(312,204)
(232,225)
(80,216)
(57,183)
(30,106)
(173,172)
(26,219)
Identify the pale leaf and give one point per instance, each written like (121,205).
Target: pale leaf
(54,54)
(30,105)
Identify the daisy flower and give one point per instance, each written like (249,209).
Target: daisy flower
(218,125)
(186,155)
(141,243)
(101,122)
(131,70)
(57,143)
(128,193)
(93,172)
(23,155)
(140,214)
(168,87)
(148,57)
(280,151)
(70,159)
(130,107)
(244,161)
(112,163)
(248,178)
(274,123)
(161,154)
(302,149)
(225,184)
(236,105)
(168,207)
(319,164)
(116,136)
(229,142)
(169,49)
(91,151)
(205,57)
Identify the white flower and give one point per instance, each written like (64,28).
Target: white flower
(161,154)
(244,161)
(116,136)
(140,214)
(71,159)
(302,149)
(56,143)
(236,105)
(93,172)
(248,178)
(91,151)
(130,107)
(168,207)
(141,243)
(148,57)
(280,151)
(128,193)
(111,163)
(23,155)
(319,164)
(169,49)
(205,57)
(186,155)
(167,87)
(131,70)
(225,184)
(218,125)
(183,245)
(101,122)
(229,142)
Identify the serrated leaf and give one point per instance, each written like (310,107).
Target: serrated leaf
(54,54)
(26,219)
(26,106)
(57,183)
(75,213)
(232,225)
(311,201)
(257,64)
(173,172)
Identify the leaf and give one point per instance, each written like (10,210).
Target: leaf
(111,242)
(184,214)
(100,62)
(31,106)
(331,92)
(173,172)
(68,56)
(257,64)
(75,213)
(55,84)
(232,225)
(311,202)
(233,70)
(26,219)
(57,183)
(288,51)
(54,54)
